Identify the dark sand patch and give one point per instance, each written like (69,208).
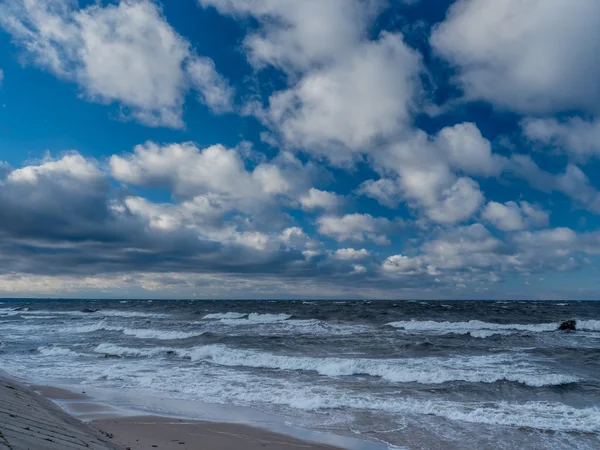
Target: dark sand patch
(148,432)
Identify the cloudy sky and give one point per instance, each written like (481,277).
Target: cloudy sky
(300,148)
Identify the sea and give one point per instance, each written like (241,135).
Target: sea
(399,374)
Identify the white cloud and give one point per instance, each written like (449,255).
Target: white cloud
(324,113)
(125,53)
(580,138)
(350,254)
(71,166)
(531,56)
(214,90)
(457,203)
(317,199)
(384,190)
(300,35)
(511,216)
(186,169)
(420,170)
(402,265)
(355,227)
(467,150)
(572,182)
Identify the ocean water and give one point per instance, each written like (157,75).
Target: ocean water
(416,375)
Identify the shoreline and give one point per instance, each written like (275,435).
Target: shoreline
(56,417)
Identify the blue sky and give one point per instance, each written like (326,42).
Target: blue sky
(285,149)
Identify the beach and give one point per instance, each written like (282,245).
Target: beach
(28,420)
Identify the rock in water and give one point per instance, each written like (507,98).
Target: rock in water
(567,325)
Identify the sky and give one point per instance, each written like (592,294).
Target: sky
(406,149)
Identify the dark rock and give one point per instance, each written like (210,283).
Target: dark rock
(108,355)
(567,325)
(90,310)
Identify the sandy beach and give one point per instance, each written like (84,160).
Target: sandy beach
(29,420)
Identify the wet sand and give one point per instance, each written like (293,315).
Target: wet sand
(148,432)
(28,420)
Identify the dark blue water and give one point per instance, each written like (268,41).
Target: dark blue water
(443,374)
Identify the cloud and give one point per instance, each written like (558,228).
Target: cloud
(579,138)
(356,227)
(324,112)
(125,53)
(467,150)
(299,36)
(528,56)
(350,254)
(1,77)
(512,216)
(573,182)
(420,170)
(317,199)
(384,190)
(214,90)
(402,265)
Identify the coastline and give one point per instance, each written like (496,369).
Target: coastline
(35,416)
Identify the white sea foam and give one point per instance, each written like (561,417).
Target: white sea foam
(430,370)
(471,325)
(129,314)
(56,351)
(118,350)
(588,325)
(538,415)
(227,315)
(255,318)
(150,333)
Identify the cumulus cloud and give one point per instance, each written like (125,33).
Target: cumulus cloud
(214,90)
(420,170)
(529,56)
(356,227)
(384,190)
(578,137)
(572,182)
(298,36)
(324,112)
(125,53)
(350,254)
(512,216)
(317,199)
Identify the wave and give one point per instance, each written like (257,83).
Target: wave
(588,325)
(553,416)
(129,314)
(117,350)
(470,326)
(141,333)
(149,333)
(227,315)
(430,370)
(255,318)
(56,351)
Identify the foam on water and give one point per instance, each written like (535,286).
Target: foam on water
(471,325)
(255,318)
(227,315)
(150,333)
(112,349)
(588,325)
(56,351)
(430,370)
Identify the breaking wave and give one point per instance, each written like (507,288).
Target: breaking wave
(470,326)
(431,370)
